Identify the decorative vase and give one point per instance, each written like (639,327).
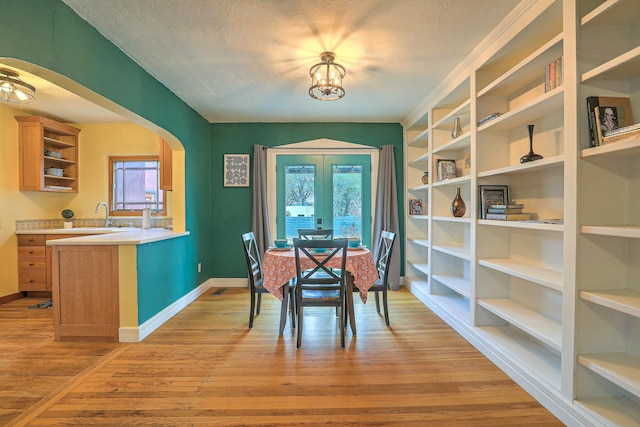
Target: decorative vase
(425,178)
(530,156)
(457,129)
(458,208)
(68,224)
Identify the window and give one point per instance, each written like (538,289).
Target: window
(134,184)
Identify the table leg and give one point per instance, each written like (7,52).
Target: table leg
(284,307)
(350,309)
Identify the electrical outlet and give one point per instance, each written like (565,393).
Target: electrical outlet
(199,267)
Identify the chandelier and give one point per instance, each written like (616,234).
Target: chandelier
(12,89)
(326,79)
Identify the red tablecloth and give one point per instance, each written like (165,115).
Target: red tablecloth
(279,266)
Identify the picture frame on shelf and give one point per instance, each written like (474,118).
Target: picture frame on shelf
(446,169)
(236,170)
(491,195)
(416,207)
(606,113)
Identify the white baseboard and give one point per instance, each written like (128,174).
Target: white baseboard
(137,334)
(229,282)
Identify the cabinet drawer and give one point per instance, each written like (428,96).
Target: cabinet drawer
(32,264)
(28,252)
(33,280)
(31,239)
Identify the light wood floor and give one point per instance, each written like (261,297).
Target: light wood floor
(204,367)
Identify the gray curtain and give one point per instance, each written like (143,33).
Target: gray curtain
(387,211)
(260,217)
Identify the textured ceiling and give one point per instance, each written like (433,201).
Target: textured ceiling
(248,60)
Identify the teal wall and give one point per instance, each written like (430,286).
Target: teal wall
(49,34)
(162,262)
(232,206)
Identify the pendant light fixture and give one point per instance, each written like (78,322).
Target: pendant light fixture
(12,89)
(326,79)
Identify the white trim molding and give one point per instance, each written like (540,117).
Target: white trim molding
(137,334)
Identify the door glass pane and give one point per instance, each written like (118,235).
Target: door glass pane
(299,198)
(347,200)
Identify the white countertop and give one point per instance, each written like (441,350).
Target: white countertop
(107,236)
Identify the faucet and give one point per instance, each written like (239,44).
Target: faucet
(107,220)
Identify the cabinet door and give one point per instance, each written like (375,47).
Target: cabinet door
(166,165)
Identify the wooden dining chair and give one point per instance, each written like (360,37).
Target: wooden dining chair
(312,233)
(252,256)
(383,261)
(320,285)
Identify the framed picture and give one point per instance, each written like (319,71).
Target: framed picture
(415,207)
(446,169)
(491,195)
(607,113)
(236,170)
(610,118)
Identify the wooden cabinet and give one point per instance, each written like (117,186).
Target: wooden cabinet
(166,166)
(34,261)
(32,265)
(48,155)
(85,293)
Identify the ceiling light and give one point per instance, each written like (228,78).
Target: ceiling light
(12,89)
(326,79)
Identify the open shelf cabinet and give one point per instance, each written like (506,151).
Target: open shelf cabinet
(48,152)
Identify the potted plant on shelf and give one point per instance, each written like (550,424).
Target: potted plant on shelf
(67,214)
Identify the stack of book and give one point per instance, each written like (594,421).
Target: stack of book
(622,134)
(511,212)
(553,75)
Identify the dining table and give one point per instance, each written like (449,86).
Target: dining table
(279,267)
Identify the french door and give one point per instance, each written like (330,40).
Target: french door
(324,191)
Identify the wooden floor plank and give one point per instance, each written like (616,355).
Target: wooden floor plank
(205,367)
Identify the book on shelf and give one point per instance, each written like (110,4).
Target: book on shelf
(415,207)
(621,137)
(622,134)
(509,217)
(556,221)
(504,210)
(553,74)
(488,118)
(605,114)
(508,206)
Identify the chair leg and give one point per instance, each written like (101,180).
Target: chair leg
(299,340)
(284,306)
(386,307)
(341,322)
(377,302)
(259,303)
(253,306)
(292,303)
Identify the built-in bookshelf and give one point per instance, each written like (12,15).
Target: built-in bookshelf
(554,300)
(608,289)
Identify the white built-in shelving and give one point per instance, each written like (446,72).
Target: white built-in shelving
(554,301)
(608,280)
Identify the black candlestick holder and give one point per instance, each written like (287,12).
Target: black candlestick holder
(530,156)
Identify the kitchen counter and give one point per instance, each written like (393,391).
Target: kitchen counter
(107,235)
(105,280)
